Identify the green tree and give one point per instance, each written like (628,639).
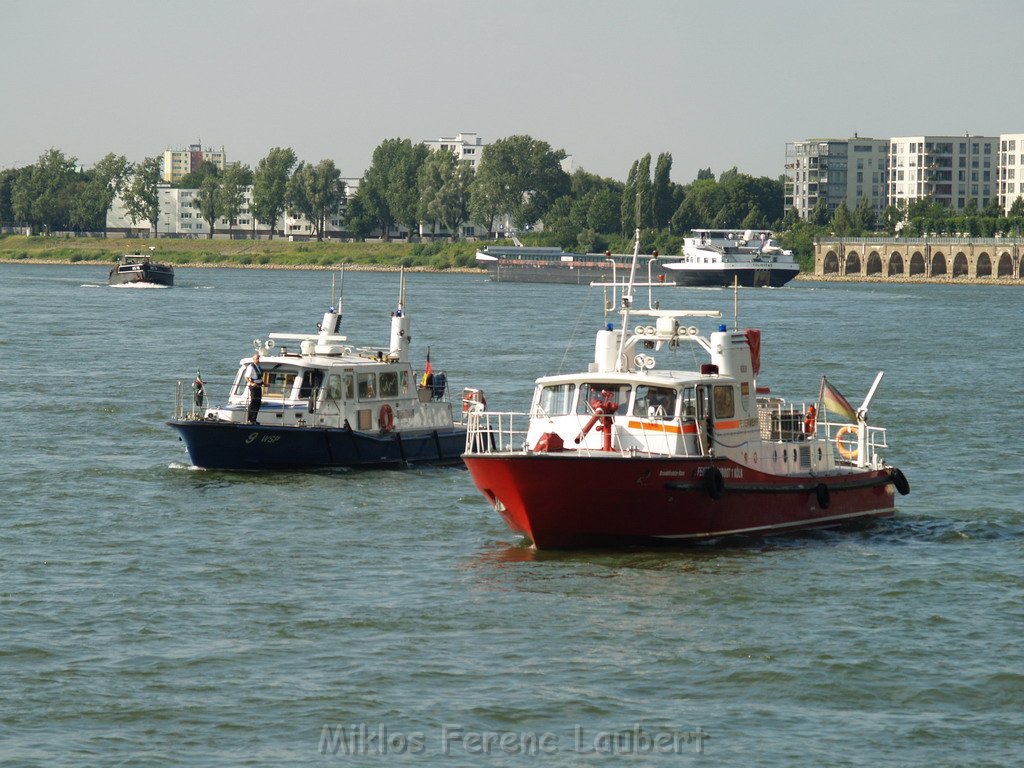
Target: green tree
(208,202)
(451,205)
(662,191)
(627,205)
(435,170)
(841,224)
(142,195)
(522,177)
(194,179)
(41,193)
(7,179)
(819,214)
(270,186)
(357,220)
(401,190)
(644,193)
(234,183)
(705,173)
(316,192)
(603,213)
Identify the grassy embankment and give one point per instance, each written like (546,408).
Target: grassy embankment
(240,253)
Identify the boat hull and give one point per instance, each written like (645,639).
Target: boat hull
(224,445)
(511,272)
(147,275)
(561,501)
(750,278)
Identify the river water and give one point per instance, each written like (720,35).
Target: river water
(156,615)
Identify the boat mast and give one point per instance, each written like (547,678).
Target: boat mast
(627,299)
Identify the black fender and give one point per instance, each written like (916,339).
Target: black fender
(824,496)
(714,483)
(900,481)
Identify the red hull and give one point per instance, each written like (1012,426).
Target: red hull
(562,501)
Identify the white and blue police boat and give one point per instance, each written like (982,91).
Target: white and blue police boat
(328,404)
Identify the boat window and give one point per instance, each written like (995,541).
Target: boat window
(689,404)
(367,386)
(277,381)
(334,387)
(557,400)
(594,393)
(350,387)
(406,382)
(388,381)
(725,404)
(655,402)
(311,381)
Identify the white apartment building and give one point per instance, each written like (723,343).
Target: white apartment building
(949,169)
(465,146)
(178,218)
(179,162)
(836,170)
(1010,169)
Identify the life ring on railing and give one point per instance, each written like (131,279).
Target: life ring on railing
(850,454)
(386,418)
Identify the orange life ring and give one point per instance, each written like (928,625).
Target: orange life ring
(850,454)
(386,418)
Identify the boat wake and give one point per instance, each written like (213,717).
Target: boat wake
(140,286)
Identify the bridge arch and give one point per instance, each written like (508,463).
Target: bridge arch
(830,264)
(961,267)
(895,264)
(938,264)
(852,263)
(1004,266)
(874,265)
(984,266)
(917,264)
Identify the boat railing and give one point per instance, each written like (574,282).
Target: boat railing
(185,405)
(496,432)
(846,438)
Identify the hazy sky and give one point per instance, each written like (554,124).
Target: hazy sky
(717,83)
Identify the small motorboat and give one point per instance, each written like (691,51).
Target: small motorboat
(140,268)
(327,404)
(628,452)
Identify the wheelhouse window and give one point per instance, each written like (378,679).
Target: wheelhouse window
(725,401)
(593,394)
(689,404)
(655,402)
(334,387)
(366,384)
(557,400)
(388,381)
(277,381)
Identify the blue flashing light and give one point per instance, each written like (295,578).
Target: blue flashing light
(723,327)
(608,327)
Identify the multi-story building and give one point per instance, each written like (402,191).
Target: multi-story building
(949,169)
(179,218)
(179,162)
(1010,169)
(465,146)
(836,170)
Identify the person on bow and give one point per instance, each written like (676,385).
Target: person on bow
(254,381)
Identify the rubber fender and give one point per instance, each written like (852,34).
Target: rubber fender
(900,481)
(714,483)
(824,495)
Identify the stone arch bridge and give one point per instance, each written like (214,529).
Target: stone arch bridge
(930,258)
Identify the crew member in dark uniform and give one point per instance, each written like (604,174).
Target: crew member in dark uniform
(254,380)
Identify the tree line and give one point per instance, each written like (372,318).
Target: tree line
(406,188)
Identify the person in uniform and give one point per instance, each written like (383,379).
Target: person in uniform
(254,381)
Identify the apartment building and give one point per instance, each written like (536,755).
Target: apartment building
(465,146)
(836,171)
(179,162)
(1010,169)
(179,218)
(949,169)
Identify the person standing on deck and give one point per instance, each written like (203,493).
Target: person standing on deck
(254,381)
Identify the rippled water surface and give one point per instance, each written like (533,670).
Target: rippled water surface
(156,615)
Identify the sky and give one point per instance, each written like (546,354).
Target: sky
(716,83)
